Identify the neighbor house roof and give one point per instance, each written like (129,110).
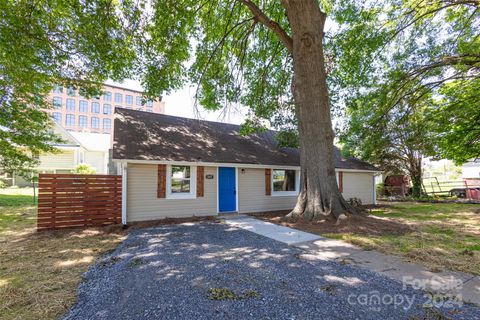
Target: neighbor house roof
(148,136)
(93,141)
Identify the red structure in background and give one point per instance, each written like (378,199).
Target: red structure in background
(472,188)
(396,185)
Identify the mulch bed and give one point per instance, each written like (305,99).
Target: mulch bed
(168,221)
(361,225)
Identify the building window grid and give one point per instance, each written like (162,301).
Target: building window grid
(107,108)
(57,102)
(128,99)
(118,98)
(95,122)
(57,117)
(82,121)
(70,104)
(107,124)
(70,120)
(83,106)
(95,107)
(107,96)
(138,101)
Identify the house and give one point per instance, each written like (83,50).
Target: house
(178,167)
(76,148)
(471,169)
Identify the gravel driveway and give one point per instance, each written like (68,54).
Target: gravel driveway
(210,270)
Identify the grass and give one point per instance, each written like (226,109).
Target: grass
(439,236)
(40,271)
(12,197)
(442,236)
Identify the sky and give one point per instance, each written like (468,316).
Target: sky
(181,103)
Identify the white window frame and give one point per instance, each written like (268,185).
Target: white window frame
(286,193)
(193,183)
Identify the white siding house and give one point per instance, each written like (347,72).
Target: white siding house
(76,148)
(176,167)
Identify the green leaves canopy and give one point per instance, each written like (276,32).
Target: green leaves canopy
(235,59)
(420,55)
(43,43)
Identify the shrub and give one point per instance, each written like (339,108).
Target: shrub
(83,169)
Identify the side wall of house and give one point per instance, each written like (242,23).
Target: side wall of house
(143,204)
(97,160)
(251,193)
(62,160)
(358,185)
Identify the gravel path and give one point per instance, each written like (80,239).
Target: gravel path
(177,271)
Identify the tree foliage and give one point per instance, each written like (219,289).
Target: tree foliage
(44,43)
(221,49)
(84,169)
(422,60)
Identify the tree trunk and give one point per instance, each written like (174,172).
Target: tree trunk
(319,194)
(415,171)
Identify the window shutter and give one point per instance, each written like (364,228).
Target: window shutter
(340,181)
(200,181)
(161,180)
(268,182)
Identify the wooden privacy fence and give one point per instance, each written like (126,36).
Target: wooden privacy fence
(77,200)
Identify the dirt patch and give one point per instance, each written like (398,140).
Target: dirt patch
(361,225)
(167,221)
(40,271)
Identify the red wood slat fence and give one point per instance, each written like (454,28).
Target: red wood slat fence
(76,200)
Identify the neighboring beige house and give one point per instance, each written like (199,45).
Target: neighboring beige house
(178,167)
(78,148)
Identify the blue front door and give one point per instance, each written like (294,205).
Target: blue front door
(227,192)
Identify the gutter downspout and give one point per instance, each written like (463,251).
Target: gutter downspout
(124,193)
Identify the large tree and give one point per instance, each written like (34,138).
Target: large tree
(396,139)
(415,50)
(263,55)
(46,43)
(260,54)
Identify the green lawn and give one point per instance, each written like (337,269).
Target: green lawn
(442,235)
(12,197)
(40,271)
(16,208)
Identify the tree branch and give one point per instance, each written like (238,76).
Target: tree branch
(261,17)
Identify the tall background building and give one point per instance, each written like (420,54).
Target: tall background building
(77,113)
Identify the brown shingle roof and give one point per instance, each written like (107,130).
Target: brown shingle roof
(149,136)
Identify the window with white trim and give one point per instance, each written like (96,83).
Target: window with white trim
(181,181)
(285,181)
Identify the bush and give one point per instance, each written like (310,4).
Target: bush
(83,169)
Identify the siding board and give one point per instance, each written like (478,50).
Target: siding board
(252,195)
(143,204)
(358,185)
